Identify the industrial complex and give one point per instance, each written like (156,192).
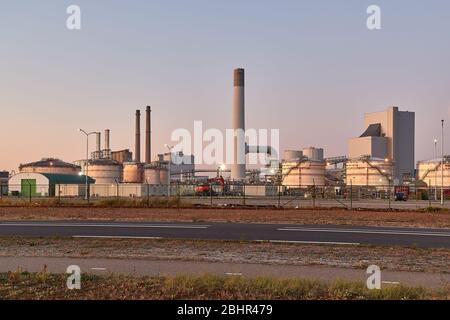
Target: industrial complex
(382,156)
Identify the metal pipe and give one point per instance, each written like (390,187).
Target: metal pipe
(107,133)
(137,142)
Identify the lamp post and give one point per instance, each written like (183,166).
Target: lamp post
(87,134)
(435,171)
(170,148)
(442,163)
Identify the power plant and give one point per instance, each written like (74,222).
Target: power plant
(383,155)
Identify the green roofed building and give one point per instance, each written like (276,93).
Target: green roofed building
(44,184)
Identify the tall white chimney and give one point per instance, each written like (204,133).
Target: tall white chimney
(238,124)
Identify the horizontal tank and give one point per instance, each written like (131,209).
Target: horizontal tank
(303,173)
(369,172)
(152,175)
(105,171)
(430,172)
(133,172)
(50,165)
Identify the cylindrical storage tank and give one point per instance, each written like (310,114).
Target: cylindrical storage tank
(369,172)
(292,155)
(314,154)
(132,172)
(303,174)
(164,175)
(430,172)
(50,165)
(152,175)
(105,171)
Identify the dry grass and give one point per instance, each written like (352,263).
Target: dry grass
(21,285)
(302,216)
(395,259)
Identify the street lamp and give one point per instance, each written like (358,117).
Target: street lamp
(87,134)
(442,163)
(170,148)
(435,171)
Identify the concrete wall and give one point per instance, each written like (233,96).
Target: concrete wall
(375,147)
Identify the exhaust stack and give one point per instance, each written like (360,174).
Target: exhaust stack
(98,148)
(238,123)
(148,136)
(137,146)
(107,147)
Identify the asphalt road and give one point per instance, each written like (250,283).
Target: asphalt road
(142,267)
(327,234)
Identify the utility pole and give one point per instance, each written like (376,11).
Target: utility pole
(435,171)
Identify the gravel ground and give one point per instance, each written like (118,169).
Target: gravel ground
(302,216)
(395,259)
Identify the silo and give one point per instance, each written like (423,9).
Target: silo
(313,153)
(132,172)
(292,155)
(430,172)
(152,175)
(372,172)
(105,171)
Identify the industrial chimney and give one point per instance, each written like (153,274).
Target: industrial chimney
(137,150)
(148,136)
(238,123)
(98,148)
(107,147)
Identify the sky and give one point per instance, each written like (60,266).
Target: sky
(312,70)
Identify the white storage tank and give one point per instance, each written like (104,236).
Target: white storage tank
(105,171)
(303,174)
(152,175)
(372,172)
(292,155)
(430,172)
(133,172)
(50,165)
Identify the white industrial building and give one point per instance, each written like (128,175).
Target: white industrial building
(389,135)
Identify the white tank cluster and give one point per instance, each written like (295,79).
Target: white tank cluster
(303,168)
(433,173)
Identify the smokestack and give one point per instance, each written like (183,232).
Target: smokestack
(137,146)
(98,144)
(107,139)
(148,136)
(238,123)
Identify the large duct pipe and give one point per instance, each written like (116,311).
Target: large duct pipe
(137,142)
(238,123)
(148,136)
(107,147)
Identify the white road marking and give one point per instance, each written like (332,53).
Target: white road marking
(233,274)
(390,282)
(91,225)
(119,237)
(99,269)
(311,242)
(389,232)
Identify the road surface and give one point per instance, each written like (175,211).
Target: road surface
(327,234)
(142,267)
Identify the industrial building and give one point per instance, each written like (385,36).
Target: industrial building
(34,184)
(389,135)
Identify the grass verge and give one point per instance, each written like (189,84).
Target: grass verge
(22,285)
